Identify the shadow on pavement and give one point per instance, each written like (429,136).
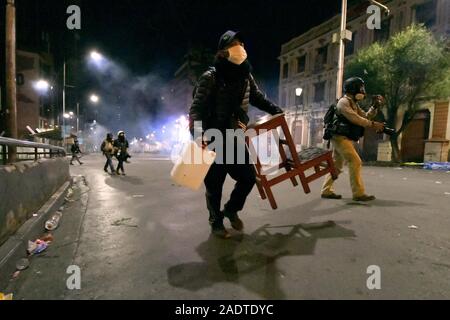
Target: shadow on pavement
(385,203)
(117,182)
(250,260)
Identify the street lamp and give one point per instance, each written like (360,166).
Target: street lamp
(96,57)
(94,98)
(42,86)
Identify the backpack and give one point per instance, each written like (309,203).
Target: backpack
(338,124)
(329,121)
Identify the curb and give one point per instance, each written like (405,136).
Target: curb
(15,247)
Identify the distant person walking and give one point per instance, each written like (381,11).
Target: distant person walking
(75,152)
(121,146)
(108,151)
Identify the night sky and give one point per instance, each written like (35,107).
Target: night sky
(154,35)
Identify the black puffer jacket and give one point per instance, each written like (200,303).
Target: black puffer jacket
(219,104)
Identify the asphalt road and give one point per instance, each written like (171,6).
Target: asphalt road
(141,237)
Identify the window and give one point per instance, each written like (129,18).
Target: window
(301,64)
(321,58)
(285,70)
(382,34)
(350,46)
(319,92)
(426,13)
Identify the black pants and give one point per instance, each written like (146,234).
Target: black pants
(243,174)
(120,165)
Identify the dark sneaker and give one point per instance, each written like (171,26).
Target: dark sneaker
(220,232)
(332,196)
(236,222)
(364,198)
(106,170)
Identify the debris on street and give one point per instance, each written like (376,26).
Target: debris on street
(37,247)
(413,227)
(53,223)
(22,264)
(437,166)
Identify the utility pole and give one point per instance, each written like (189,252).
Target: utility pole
(11,89)
(342,37)
(64,106)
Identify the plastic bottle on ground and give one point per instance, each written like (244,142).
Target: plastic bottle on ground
(53,223)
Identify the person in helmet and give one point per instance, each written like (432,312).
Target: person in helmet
(121,145)
(351,123)
(221,101)
(108,151)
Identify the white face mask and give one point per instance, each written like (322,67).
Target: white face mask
(237,55)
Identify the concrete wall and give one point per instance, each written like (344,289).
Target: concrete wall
(24,189)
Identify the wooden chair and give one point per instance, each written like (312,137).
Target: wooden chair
(322,164)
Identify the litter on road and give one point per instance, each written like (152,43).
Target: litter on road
(37,247)
(53,223)
(413,227)
(22,264)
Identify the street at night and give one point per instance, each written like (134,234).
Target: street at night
(141,237)
(214,159)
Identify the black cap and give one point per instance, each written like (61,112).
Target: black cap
(227,38)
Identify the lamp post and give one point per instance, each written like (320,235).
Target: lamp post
(11,88)
(298,94)
(346,35)
(342,36)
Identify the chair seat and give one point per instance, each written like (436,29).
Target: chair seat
(312,153)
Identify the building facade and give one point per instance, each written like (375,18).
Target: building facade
(310,61)
(35,108)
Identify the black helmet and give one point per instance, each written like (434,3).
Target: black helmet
(353,85)
(227,38)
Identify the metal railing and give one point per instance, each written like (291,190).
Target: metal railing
(12,150)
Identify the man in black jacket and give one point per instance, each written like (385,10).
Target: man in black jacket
(221,100)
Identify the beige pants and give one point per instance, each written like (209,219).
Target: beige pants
(345,152)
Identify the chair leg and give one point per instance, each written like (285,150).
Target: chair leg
(271,198)
(294,181)
(261,190)
(305,185)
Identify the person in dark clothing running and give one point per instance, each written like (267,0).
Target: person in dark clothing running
(121,146)
(221,101)
(108,151)
(75,149)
